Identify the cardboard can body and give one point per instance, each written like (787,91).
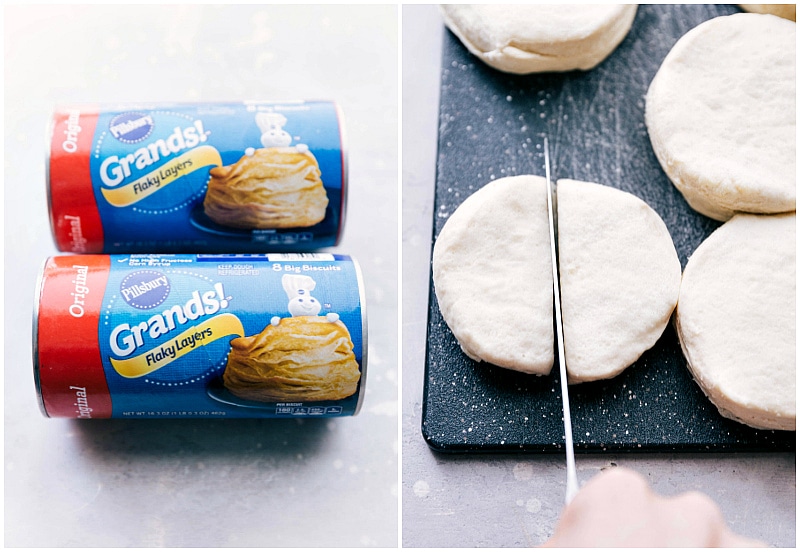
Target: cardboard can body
(247,177)
(190,336)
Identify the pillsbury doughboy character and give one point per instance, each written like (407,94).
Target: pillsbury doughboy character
(272,133)
(298,288)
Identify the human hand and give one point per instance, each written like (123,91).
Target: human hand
(619,509)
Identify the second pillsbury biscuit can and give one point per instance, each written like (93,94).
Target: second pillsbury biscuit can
(213,177)
(188,336)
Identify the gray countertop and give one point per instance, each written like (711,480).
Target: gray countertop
(203,483)
(515,499)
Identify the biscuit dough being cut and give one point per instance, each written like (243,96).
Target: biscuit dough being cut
(721,114)
(492,273)
(736,319)
(535,38)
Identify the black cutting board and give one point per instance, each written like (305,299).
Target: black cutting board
(491,125)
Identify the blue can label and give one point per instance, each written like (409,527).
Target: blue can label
(232,335)
(249,177)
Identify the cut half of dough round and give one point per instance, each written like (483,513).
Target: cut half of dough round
(736,319)
(493,276)
(534,38)
(721,113)
(620,277)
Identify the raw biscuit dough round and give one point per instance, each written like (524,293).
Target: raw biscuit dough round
(787,11)
(736,319)
(721,112)
(533,38)
(620,277)
(493,276)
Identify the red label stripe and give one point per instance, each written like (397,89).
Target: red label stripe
(71,376)
(73,210)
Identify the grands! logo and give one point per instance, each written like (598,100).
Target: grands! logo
(139,348)
(144,289)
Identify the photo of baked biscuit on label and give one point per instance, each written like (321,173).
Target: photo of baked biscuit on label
(272,187)
(304,357)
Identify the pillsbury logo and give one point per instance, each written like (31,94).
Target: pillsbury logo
(131,127)
(144,289)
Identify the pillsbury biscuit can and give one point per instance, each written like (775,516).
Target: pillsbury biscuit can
(247,177)
(190,336)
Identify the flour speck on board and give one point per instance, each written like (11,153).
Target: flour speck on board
(422,489)
(533,505)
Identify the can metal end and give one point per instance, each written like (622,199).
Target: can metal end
(364,336)
(35,336)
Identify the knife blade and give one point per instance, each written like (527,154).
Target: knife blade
(572,476)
